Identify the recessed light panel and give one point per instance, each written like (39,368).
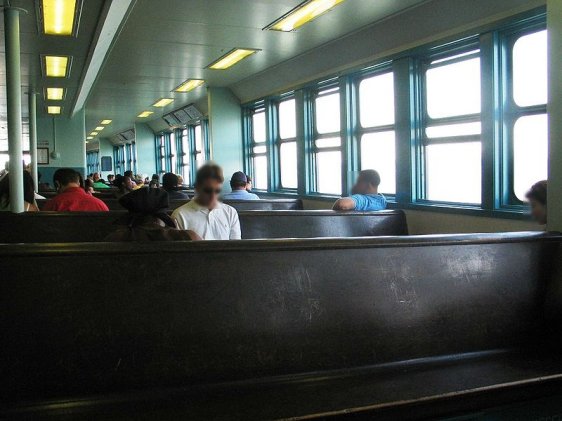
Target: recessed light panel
(58,16)
(231,58)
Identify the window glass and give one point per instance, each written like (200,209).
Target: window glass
(260,149)
(453,89)
(328,172)
(258,127)
(376,100)
(451,130)
(530,69)
(260,172)
(453,172)
(328,113)
(330,142)
(200,150)
(530,152)
(287,119)
(378,152)
(187,154)
(288,159)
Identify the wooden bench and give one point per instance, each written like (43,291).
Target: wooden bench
(388,328)
(240,205)
(71,227)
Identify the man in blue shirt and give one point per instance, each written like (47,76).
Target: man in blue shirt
(238,185)
(366,196)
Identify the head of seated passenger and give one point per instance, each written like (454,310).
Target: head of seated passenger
(67,178)
(537,199)
(28,193)
(170,183)
(88,186)
(208,185)
(124,184)
(365,194)
(110,178)
(238,185)
(147,219)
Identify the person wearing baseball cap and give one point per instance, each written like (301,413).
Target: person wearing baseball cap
(238,183)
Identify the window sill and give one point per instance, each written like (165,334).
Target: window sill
(519,214)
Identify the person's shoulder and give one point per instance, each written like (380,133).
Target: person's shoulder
(229,210)
(254,196)
(185,208)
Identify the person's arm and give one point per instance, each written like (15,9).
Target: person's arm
(176,216)
(344,204)
(194,236)
(235,233)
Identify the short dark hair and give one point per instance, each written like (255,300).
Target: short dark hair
(28,188)
(370,176)
(128,173)
(538,192)
(110,176)
(209,171)
(65,176)
(170,181)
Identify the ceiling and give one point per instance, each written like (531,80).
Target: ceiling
(165,42)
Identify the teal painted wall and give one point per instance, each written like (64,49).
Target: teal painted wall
(225,131)
(554,16)
(145,149)
(66,136)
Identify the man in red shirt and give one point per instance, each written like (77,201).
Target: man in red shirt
(71,197)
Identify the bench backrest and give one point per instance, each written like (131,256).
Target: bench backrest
(175,314)
(71,227)
(240,205)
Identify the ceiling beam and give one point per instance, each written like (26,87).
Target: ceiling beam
(112,20)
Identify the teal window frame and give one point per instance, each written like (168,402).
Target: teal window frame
(275,183)
(498,199)
(249,144)
(92,162)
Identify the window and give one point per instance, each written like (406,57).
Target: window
(92,162)
(287,144)
(259,150)
(376,129)
(199,146)
(173,152)
(185,156)
(451,139)
(525,112)
(327,144)
(119,159)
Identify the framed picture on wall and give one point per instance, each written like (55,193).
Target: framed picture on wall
(43,156)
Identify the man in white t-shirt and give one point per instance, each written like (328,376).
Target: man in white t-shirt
(205,215)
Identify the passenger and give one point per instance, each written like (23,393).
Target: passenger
(110,179)
(239,185)
(180,180)
(28,193)
(154,182)
(71,197)
(98,183)
(204,214)
(89,186)
(537,199)
(170,184)
(147,219)
(125,186)
(129,174)
(366,196)
(248,183)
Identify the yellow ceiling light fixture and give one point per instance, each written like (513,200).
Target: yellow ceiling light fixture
(189,85)
(94,134)
(303,13)
(89,137)
(163,102)
(145,114)
(99,128)
(59,16)
(54,109)
(231,58)
(56,66)
(55,94)
(106,122)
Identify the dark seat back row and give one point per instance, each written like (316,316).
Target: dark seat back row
(205,313)
(240,205)
(52,227)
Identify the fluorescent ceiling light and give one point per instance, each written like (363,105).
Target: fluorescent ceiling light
(94,134)
(58,16)
(163,102)
(55,94)
(106,122)
(145,114)
(99,128)
(90,137)
(56,66)
(189,85)
(52,109)
(231,58)
(304,13)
